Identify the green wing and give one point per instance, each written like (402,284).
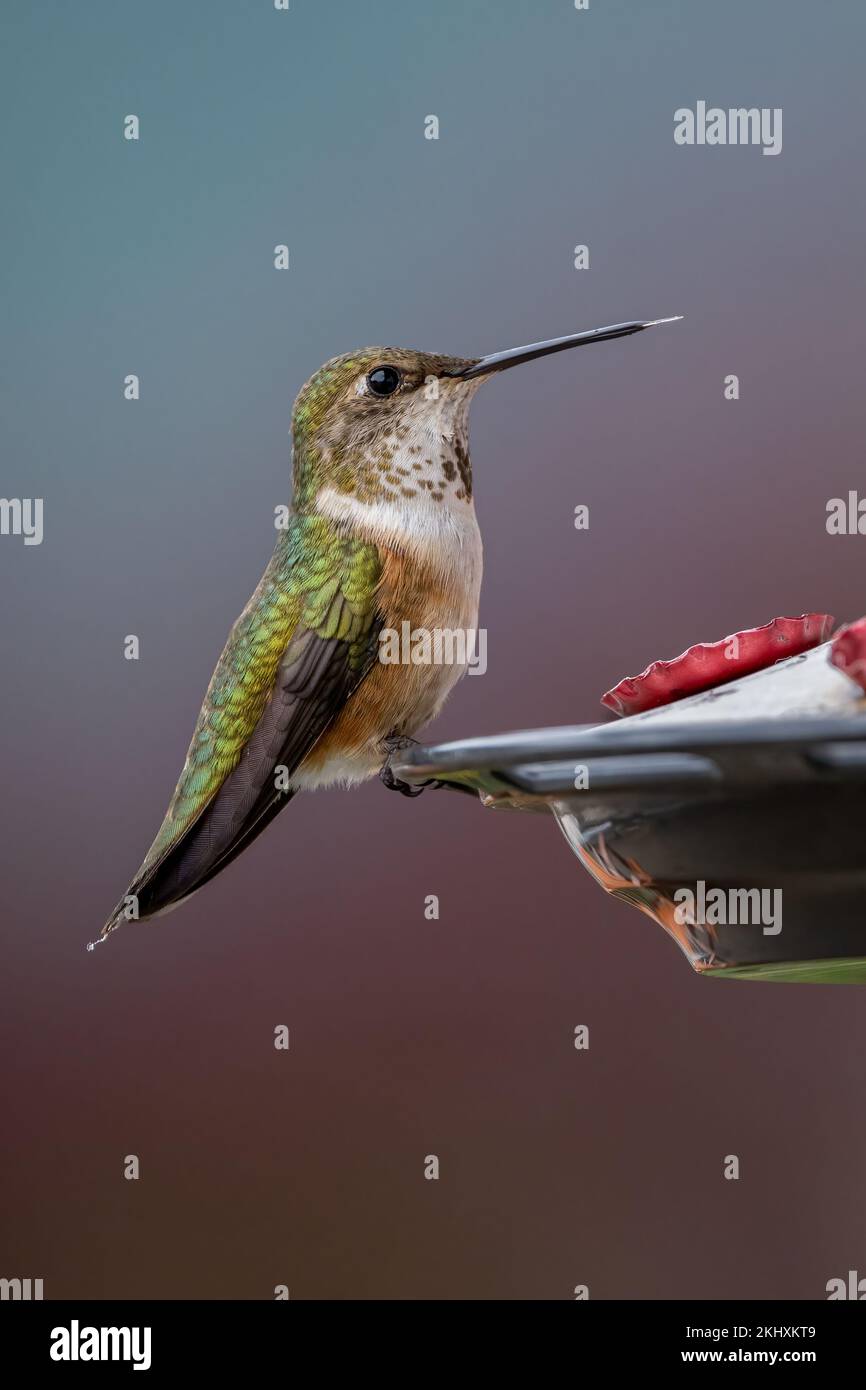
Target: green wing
(303,643)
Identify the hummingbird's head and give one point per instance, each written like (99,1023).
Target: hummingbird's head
(383,432)
(385,425)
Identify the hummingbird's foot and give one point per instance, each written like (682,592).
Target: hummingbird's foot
(394,784)
(395,743)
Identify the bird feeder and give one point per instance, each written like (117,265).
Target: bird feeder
(729,804)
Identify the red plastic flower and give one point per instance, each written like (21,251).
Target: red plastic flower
(848,651)
(715,663)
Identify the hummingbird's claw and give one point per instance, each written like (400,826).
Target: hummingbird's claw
(394,784)
(396,743)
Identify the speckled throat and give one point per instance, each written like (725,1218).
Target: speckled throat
(418,452)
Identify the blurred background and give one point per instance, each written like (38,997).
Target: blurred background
(410,1037)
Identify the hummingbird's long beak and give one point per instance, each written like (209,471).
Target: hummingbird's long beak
(499,361)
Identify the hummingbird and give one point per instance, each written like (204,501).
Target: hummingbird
(381,531)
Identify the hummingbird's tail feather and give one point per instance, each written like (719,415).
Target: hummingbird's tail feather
(253,830)
(164,891)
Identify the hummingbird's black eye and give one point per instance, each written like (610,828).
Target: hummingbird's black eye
(383,381)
